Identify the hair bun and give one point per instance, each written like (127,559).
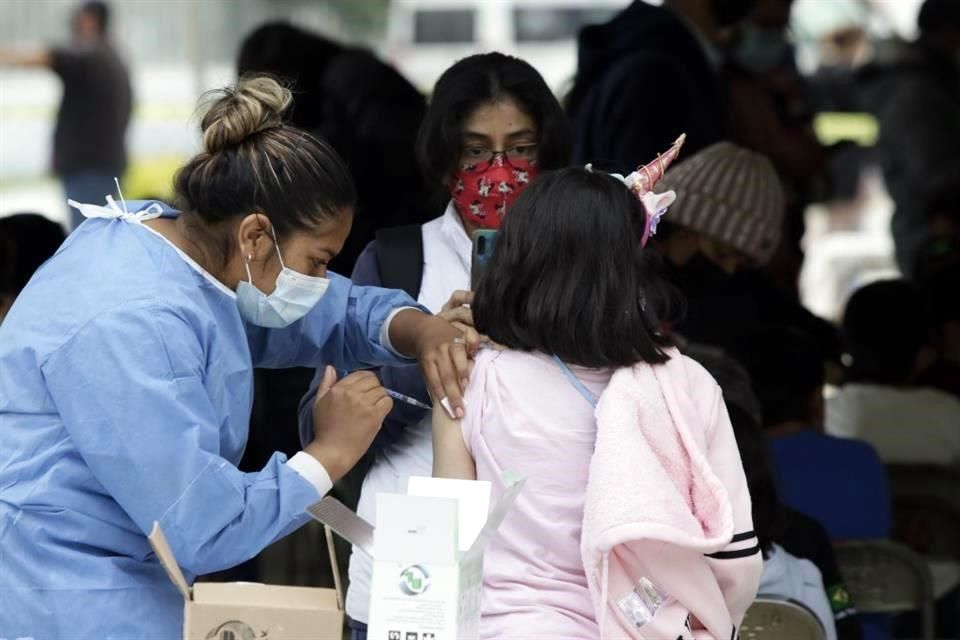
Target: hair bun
(237,112)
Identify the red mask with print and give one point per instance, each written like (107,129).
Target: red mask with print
(482,192)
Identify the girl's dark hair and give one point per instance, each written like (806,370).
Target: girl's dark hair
(253,162)
(477,80)
(568,275)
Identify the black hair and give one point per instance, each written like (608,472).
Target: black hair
(371,117)
(477,80)
(937,16)
(30,240)
(253,162)
(885,326)
(755,458)
(568,276)
(100,11)
(786,368)
(298,58)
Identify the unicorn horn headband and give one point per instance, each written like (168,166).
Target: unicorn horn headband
(642,181)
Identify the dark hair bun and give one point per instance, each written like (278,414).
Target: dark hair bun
(235,113)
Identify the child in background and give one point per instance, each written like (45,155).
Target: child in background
(785,575)
(635,498)
(889,333)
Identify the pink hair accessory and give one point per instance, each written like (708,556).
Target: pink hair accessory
(642,181)
(647,175)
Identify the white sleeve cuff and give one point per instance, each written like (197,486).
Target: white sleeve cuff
(312,471)
(385,332)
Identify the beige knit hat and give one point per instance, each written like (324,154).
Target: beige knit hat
(729,194)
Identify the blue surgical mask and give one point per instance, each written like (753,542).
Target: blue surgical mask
(759,50)
(294,296)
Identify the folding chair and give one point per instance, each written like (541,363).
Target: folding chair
(772,619)
(925,480)
(886,577)
(930,525)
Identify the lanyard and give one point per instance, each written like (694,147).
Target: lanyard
(579,386)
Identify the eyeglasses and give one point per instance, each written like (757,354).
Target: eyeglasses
(481,157)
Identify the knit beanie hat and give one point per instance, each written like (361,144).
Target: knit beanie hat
(731,195)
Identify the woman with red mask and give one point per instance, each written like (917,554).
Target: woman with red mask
(492,126)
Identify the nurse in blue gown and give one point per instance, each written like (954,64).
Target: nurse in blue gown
(126,372)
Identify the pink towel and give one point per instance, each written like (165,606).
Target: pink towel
(668,543)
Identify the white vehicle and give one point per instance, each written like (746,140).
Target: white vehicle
(424,37)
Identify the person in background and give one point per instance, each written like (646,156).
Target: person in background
(89,148)
(889,335)
(728,223)
(492,119)
(364,109)
(732,377)
(920,123)
(785,575)
(27,240)
(937,272)
(772,112)
(839,482)
(298,58)
(940,290)
(589,402)
(940,251)
(796,533)
(648,75)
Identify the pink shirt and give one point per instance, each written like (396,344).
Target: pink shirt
(526,418)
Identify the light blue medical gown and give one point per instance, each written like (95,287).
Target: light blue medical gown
(125,397)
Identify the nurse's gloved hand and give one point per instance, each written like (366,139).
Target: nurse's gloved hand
(347,415)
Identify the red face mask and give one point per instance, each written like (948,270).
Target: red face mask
(482,192)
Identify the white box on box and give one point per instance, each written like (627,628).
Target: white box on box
(427,551)
(249,611)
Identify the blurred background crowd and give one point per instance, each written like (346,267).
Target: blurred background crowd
(834,327)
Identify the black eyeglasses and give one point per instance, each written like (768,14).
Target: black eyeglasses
(481,157)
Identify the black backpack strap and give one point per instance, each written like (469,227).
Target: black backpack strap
(400,258)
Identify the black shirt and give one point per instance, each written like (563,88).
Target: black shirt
(94,111)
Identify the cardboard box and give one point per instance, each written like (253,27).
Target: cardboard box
(427,551)
(249,611)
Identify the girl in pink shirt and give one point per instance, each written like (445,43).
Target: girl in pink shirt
(569,295)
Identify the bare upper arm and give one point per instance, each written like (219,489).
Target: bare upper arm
(451,458)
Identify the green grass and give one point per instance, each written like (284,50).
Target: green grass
(148,176)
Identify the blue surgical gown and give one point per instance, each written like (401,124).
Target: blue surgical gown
(125,397)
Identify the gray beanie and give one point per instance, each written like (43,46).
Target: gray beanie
(729,194)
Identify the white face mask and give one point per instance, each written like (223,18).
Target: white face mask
(294,296)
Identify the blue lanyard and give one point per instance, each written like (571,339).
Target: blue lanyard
(579,386)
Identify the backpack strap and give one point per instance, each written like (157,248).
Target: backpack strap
(400,258)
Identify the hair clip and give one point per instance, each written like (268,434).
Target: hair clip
(642,181)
